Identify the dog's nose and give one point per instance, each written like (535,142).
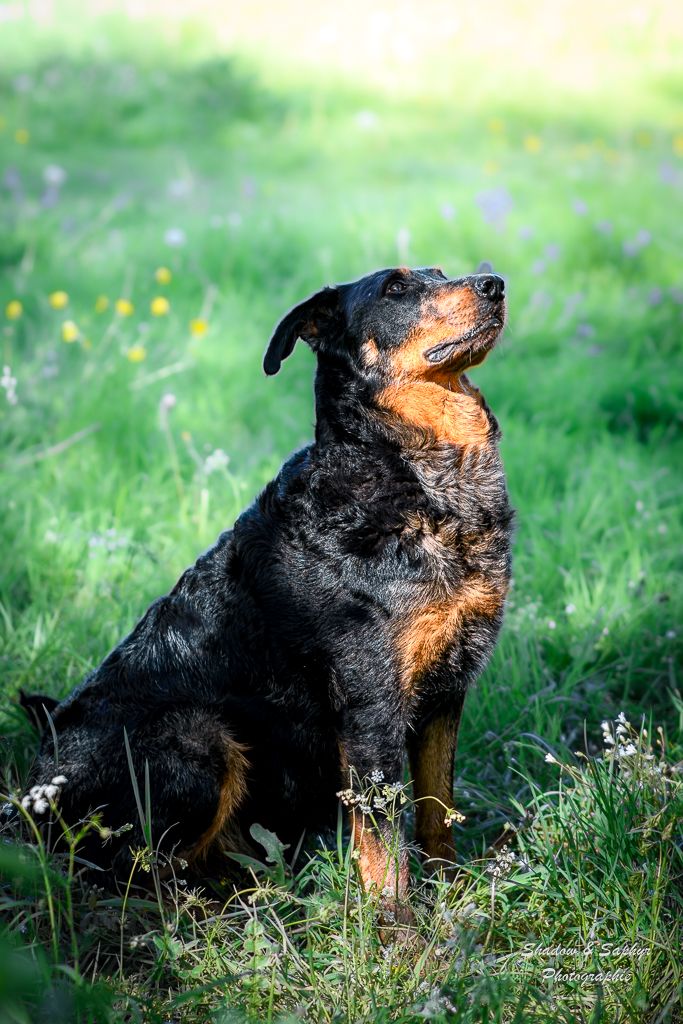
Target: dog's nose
(489,286)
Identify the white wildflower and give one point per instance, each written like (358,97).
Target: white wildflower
(217,460)
(504,862)
(54,175)
(174,237)
(366,119)
(9,385)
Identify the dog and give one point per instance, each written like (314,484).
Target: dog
(336,628)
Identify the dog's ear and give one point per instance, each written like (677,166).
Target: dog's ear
(313,321)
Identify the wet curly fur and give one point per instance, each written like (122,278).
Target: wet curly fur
(336,627)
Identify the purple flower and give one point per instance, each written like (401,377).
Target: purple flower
(552,252)
(573,302)
(495,204)
(526,232)
(22,83)
(49,198)
(632,246)
(541,300)
(580,207)
(585,330)
(655,296)
(12,179)
(538,266)
(604,227)
(448,211)
(668,174)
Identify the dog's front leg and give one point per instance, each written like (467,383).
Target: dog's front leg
(432,753)
(372,744)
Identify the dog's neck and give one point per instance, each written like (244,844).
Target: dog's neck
(455,414)
(449,411)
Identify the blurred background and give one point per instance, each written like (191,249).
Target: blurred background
(174,176)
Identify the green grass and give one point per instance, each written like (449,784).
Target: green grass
(560,159)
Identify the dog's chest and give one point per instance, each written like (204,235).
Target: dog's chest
(458,586)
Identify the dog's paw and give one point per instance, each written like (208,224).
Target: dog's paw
(397,923)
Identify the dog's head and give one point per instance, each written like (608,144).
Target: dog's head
(398,324)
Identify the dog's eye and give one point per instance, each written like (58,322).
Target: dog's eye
(396,287)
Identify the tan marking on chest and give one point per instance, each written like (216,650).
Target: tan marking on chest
(455,417)
(426,633)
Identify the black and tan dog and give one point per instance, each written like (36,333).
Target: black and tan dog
(337,626)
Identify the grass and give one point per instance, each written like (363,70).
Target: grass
(255,176)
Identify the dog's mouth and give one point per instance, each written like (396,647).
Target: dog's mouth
(468,349)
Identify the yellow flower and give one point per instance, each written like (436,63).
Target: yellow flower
(13,309)
(643,139)
(532,144)
(101,303)
(163,275)
(159,306)
(136,353)
(58,300)
(124,307)
(70,331)
(496,126)
(198,328)
(678,144)
(582,151)
(87,344)
(21,136)
(491,167)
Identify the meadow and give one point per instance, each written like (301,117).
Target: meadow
(170,184)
